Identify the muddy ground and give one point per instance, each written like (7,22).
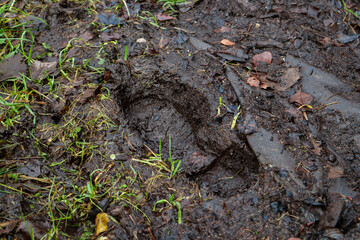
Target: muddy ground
(266,123)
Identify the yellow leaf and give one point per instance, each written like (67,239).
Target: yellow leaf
(101,222)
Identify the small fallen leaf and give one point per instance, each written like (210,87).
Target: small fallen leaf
(86,36)
(301,98)
(326,41)
(343,38)
(109,36)
(141,40)
(164,17)
(101,222)
(163,42)
(335,172)
(253,81)
(223,30)
(317,148)
(40,69)
(356,199)
(12,66)
(262,57)
(299,10)
(199,45)
(89,93)
(264,86)
(290,77)
(227,42)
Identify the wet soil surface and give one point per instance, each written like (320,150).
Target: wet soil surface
(279,159)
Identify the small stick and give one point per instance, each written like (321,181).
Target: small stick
(127,9)
(152,236)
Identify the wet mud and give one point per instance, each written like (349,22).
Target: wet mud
(265,164)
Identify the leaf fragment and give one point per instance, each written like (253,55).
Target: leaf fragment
(253,81)
(301,98)
(227,42)
(101,222)
(262,57)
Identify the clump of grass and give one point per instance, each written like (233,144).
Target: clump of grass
(349,11)
(14,29)
(168,5)
(14,99)
(150,17)
(173,203)
(15,37)
(171,166)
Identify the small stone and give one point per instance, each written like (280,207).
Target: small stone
(298,43)
(332,158)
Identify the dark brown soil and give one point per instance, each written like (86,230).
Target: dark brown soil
(287,170)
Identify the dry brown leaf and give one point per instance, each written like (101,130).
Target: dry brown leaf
(262,57)
(317,148)
(264,86)
(227,42)
(326,41)
(86,36)
(40,69)
(253,81)
(89,93)
(164,17)
(290,77)
(163,42)
(223,30)
(12,66)
(101,222)
(301,98)
(335,172)
(109,36)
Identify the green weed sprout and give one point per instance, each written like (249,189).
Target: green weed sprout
(172,203)
(156,161)
(236,115)
(348,10)
(174,164)
(169,4)
(151,18)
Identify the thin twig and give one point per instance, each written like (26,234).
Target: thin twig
(127,9)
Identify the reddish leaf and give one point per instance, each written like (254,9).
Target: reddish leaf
(262,57)
(264,86)
(227,42)
(301,98)
(326,41)
(253,81)
(164,17)
(223,30)
(107,76)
